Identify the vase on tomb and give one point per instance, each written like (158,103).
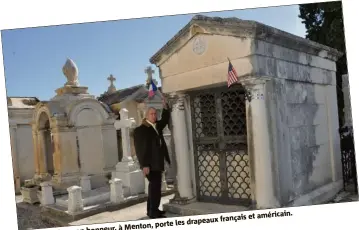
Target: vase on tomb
(70,70)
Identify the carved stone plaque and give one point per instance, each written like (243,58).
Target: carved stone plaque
(199,45)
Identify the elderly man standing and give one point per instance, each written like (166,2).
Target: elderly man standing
(152,152)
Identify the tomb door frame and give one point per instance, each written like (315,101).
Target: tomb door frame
(222,167)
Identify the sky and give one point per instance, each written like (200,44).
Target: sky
(34,57)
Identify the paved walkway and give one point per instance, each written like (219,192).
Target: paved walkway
(29,215)
(135,212)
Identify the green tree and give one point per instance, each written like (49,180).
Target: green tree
(324,24)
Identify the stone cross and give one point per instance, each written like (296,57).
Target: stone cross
(149,71)
(112,87)
(125,124)
(111,79)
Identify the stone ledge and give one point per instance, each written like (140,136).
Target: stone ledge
(321,195)
(59,215)
(202,208)
(183,211)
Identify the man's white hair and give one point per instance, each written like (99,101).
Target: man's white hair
(148,110)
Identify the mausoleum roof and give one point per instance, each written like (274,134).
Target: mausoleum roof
(22,102)
(243,28)
(122,94)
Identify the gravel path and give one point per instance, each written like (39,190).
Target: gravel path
(29,217)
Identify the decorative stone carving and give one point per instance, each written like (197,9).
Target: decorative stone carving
(254,88)
(177,101)
(70,70)
(199,45)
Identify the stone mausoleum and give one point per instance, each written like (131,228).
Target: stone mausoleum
(271,140)
(73,136)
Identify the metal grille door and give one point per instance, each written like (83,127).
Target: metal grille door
(219,137)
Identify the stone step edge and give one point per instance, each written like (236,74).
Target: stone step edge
(181,210)
(50,213)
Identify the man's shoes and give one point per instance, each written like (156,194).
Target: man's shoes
(161,212)
(157,215)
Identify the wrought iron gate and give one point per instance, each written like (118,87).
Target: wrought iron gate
(348,159)
(220,148)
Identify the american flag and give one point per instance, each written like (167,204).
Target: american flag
(232,75)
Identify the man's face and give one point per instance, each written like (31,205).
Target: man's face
(152,115)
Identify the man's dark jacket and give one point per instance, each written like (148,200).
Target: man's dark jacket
(149,150)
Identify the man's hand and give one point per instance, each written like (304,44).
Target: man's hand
(146,171)
(164,102)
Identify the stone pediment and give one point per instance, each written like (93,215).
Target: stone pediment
(198,56)
(239,28)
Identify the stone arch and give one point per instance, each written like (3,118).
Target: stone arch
(43,141)
(86,104)
(41,111)
(88,116)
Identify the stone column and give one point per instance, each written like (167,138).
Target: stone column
(116,191)
(347,104)
(47,197)
(35,135)
(75,202)
(42,154)
(180,136)
(15,163)
(56,151)
(259,147)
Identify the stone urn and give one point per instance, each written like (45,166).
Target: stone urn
(30,194)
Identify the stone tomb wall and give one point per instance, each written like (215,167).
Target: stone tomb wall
(302,103)
(21,145)
(25,152)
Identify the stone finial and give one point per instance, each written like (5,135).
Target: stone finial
(111,88)
(70,70)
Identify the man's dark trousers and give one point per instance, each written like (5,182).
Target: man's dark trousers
(154,193)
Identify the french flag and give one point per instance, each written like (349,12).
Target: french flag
(152,89)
